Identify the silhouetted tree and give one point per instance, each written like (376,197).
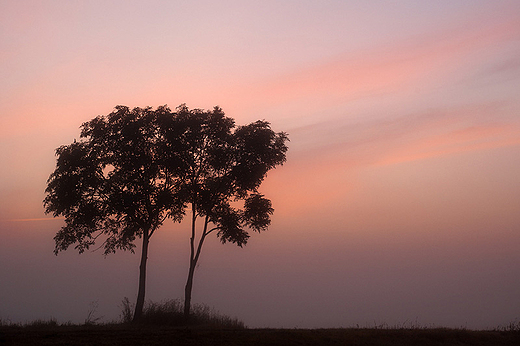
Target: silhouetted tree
(218,166)
(132,169)
(111,183)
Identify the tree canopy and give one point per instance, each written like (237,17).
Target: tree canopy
(134,168)
(219,166)
(111,183)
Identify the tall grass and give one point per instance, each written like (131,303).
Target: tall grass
(39,323)
(513,326)
(170,312)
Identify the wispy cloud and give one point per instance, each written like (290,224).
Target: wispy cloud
(35,219)
(414,129)
(407,64)
(342,146)
(472,138)
(326,169)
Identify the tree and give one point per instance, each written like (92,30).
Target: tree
(133,169)
(218,166)
(111,183)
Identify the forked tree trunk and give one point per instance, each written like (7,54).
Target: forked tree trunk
(139,305)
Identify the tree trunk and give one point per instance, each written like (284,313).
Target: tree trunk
(187,292)
(189,282)
(194,258)
(139,305)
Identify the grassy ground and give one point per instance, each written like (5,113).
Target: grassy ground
(163,324)
(127,334)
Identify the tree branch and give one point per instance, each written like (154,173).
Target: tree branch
(201,240)
(211,230)
(192,239)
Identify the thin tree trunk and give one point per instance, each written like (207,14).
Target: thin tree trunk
(187,293)
(194,258)
(139,305)
(189,282)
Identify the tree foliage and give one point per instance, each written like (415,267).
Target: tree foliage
(134,168)
(111,183)
(219,166)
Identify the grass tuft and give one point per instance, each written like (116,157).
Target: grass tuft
(513,326)
(170,313)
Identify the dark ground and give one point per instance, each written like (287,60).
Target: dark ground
(155,335)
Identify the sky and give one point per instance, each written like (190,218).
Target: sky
(399,201)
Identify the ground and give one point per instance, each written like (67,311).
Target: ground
(155,335)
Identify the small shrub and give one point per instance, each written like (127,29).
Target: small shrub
(171,313)
(203,315)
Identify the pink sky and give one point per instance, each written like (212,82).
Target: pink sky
(398,202)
